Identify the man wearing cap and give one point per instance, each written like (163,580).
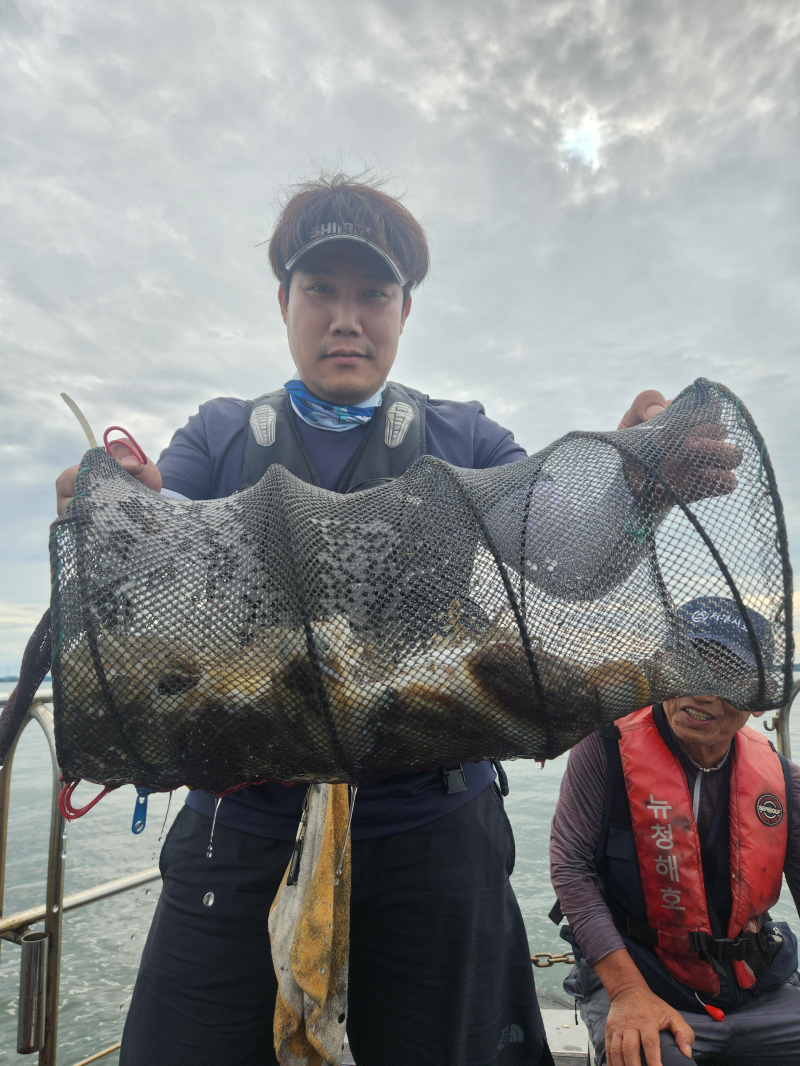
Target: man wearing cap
(673,830)
(440,971)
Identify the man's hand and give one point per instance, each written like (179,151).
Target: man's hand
(634,1022)
(147,473)
(647,405)
(700,468)
(637,1016)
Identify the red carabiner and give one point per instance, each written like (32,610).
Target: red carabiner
(65,800)
(133,447)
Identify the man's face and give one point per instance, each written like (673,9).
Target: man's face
(344,314)
(704,722)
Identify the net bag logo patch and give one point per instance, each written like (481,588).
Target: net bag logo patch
(769,809)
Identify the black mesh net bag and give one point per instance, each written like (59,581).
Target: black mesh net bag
(291,633)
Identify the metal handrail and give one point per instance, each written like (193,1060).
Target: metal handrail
(780,724)
(56,863)
(52,911)
(100,1054)
(22,919)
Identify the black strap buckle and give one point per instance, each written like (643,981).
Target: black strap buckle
(454,779)
(709,950)
(716,952)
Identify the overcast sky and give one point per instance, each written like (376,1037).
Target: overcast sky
(610,190)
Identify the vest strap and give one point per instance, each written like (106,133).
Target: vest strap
(756,949)
(555,914)
(640,931)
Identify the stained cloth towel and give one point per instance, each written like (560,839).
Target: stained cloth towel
(309,927)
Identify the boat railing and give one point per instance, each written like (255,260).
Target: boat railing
(780,724)
(40,961)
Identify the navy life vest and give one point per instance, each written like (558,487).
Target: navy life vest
(694,915)
(393,443)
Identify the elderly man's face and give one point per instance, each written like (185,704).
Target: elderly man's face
(344,314)
(704,725)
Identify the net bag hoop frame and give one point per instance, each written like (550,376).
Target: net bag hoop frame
(291,634)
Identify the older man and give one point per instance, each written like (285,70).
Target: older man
(440,968)
(672,833)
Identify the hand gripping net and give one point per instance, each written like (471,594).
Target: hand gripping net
(296,634)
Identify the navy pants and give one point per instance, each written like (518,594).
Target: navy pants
(440,971)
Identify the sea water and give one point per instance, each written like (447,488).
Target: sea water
(103,942)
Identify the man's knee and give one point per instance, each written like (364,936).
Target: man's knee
(671,1055)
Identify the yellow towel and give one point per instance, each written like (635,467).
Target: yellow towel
(309,925)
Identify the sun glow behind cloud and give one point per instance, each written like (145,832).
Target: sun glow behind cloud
(582,143)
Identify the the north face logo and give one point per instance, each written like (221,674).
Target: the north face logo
(512,1034)
(769,809)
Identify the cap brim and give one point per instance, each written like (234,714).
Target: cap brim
(744,655)
(400,279)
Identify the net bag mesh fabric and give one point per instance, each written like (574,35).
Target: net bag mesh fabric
(291,633)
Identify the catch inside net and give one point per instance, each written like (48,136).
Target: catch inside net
(294,634)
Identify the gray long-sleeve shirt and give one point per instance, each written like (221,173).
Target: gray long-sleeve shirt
(575,834)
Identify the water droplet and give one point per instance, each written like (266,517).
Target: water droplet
(322,969)
(133,936)
(63,854)
(213,826)
(208,899)
(147,891)
(336,880)
(209,852)
(55,908)
(166,815)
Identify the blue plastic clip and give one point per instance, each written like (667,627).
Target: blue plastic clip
(140,810)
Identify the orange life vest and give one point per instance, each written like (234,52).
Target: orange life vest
(668,844)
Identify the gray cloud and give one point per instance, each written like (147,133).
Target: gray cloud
(143,150)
